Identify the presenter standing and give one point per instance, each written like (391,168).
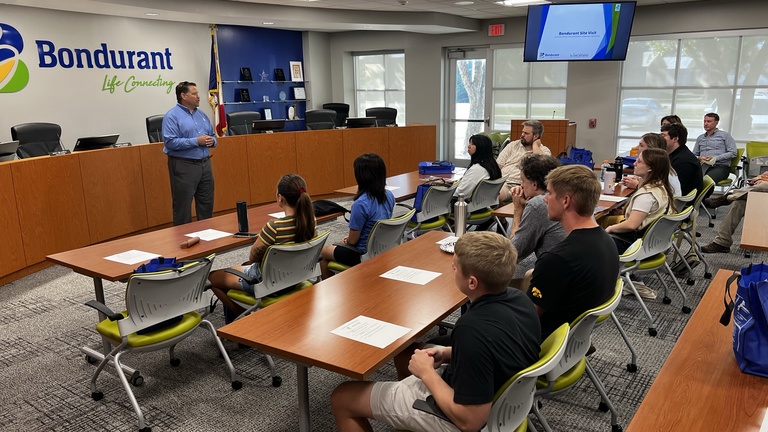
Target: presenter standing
(187,135)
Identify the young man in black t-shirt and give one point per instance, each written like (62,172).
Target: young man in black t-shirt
(495,338)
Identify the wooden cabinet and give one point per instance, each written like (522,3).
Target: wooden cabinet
(558,134)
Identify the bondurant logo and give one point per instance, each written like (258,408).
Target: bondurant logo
(101,58)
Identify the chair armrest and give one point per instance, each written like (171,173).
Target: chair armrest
(101,307)
(350,247)
(241,275)
(404,205)
(429,406)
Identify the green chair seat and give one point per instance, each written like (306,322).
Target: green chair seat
(431,225)
(249,299)
(337,267)
(109,330)
(567,379)
(653,262)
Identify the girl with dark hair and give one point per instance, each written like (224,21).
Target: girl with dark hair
(298,225)
(482,165)
(372,203)
(653,198)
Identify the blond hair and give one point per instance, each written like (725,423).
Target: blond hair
(488,256)
(578,182)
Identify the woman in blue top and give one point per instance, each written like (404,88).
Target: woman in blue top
(372,203)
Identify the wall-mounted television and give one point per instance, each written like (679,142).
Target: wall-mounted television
(578,31)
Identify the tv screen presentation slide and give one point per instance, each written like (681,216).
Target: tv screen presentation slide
(568,32)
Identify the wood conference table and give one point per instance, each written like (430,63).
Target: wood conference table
(299,328)
(404,186)
(753,234)
(90,260)
(700,387)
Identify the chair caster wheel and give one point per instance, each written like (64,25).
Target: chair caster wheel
(698,234)
(707,275)
(631,367)
(277,381)
(666,300)
(175,362)
(616,428)
(137,381)
(97,395)
(711,225)
(690,281)
(603,407)
(747,255)
(442,331)
(146,429)
(237,385)
(652,331)
(686,309)
(90,359)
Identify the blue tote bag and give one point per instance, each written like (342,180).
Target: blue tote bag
(750,318)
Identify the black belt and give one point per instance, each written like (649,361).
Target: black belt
(191,160)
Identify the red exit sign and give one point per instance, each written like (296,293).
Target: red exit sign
(496,30)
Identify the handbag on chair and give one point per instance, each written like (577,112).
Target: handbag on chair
(750,318)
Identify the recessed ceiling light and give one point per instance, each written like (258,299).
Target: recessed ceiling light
(268,23)
(151,14)
(464,3)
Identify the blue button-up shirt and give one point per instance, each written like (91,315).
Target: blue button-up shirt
(720,145)
(181,129)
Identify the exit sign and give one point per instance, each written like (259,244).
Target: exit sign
(496,30)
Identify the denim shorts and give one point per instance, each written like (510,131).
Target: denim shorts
(253,272)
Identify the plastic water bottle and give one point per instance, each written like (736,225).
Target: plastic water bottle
(460,216)
(603,168)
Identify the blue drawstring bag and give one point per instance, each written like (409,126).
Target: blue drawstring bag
(750,318)
(578,156)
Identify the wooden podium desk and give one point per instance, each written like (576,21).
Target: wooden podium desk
(405,184)
(299,327)
(700,387)
(754,235)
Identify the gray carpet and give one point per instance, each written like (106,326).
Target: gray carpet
(44,378)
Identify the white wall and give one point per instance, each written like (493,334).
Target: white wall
(74,99)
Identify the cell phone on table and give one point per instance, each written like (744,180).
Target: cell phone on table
(245,235)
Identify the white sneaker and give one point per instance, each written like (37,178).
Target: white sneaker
(642,290)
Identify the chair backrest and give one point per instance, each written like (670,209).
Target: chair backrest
(657,238)
(580,336)
(36,139)
(515,398)
(436,202)
(386,234)
(241,122)
(285,265)
(155,128)
(320,119)
(384,115)
(342,112)
(485,194)
(735,161)
(151,298)
(754,149)
(685,200)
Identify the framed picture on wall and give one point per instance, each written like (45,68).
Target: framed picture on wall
(296,73)
(267,113)
(299,93)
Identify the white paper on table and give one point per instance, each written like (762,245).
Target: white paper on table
(371,331)
(391,188)
(209,234)
(132,257)
(278,215)
(410,275)
(612,198)
(451,239)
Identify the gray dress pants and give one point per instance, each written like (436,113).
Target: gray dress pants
(191,178)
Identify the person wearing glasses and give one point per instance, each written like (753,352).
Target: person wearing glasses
(187,137)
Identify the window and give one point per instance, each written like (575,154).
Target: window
(526,90)
(380,82)
(693,76)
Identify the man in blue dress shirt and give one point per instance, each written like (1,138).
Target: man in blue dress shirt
(715,149)
(187,134)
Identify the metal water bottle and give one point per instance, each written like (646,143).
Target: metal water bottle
(460,216)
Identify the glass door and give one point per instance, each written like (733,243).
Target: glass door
(467,100)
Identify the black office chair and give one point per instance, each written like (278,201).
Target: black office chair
(36,139)
(155,128)
(342,112)
(384,115)
(241,122)
(320,119)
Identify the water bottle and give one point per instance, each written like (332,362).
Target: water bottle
(460,216)
(603,168)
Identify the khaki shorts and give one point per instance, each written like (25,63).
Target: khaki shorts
(391,404)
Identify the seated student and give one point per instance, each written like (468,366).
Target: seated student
(672,118)
(653,140)
(531,230)
(652,199)
(298,225)
(510,157)
(497,337)
(482,166)
(372,203)
(724,238)
(683,161)
(579,273)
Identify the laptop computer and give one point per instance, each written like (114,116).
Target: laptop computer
(8,150)
(95,142)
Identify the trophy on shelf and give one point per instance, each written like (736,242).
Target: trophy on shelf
(279,74)
(264,76)
(245,74)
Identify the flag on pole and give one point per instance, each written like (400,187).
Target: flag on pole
(214,88)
